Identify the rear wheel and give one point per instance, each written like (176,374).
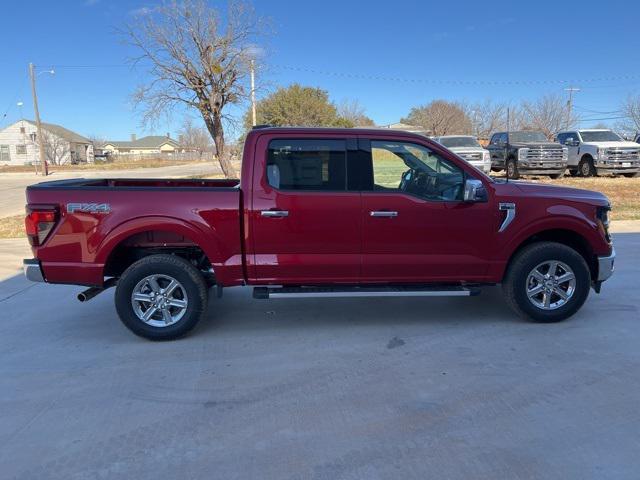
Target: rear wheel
(573,173)
(556,176)
(632,175)
(586,168)
(161,297)
(547,282)
(512,169)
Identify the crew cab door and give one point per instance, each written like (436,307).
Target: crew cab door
(305,226)
(416,228)
(571,140)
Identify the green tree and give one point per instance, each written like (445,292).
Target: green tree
(299,106)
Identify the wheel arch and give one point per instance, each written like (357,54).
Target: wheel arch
(563,235)
(141,237)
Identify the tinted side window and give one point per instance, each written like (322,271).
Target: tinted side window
(416,170)
(494,138)
(307,164)
(561,138)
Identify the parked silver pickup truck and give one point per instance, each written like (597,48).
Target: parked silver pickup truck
(469,149)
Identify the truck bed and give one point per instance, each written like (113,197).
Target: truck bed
(96,216)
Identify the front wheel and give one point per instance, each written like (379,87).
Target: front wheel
(586,168)
(547,282)
(512,169)
(161,297)
(632,175)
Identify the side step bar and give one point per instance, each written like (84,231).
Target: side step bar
(365,291)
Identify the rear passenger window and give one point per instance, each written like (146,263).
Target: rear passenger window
(307,164)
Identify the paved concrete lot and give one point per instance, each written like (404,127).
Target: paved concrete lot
(296,389)
(12,185)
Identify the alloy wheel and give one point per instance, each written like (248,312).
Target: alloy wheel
(550,285)
(159,300)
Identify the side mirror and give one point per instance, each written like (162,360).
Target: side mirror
(572,143)
(474,191)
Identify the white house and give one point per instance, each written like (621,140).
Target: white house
(150,145)
(19,144)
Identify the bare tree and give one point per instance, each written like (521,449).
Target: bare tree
(549,114)
(441,117)
(57,150)
(355,113)
(630,109)
(199,58)
(194,138)
(488,117)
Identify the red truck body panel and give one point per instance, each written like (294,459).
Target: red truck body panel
(328,237)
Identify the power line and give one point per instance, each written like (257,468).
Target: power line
(432,81)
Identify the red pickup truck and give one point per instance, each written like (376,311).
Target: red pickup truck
(320,213)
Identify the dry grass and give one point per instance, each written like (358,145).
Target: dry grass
(117,165)
(12,227)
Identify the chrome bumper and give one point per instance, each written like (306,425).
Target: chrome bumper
(32,270)
(605,266)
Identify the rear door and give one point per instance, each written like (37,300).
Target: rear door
(416,228)
(305,225)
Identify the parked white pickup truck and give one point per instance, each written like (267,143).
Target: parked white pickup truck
(469,149)
(592,152)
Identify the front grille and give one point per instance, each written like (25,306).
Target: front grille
(472,156)
(623,154)
(544,154)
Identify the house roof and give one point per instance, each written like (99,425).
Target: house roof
(60,131)
(151,141)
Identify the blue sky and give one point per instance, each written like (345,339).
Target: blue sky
(523,49)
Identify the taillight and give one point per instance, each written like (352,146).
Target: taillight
(39,222)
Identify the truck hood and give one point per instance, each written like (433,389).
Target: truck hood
(467,149)
(612,144)
(535,144)
(561,193)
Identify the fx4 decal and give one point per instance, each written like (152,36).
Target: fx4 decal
(89,207)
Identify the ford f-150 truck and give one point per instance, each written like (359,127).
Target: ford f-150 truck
(596,151)
(527,153)
(320,213)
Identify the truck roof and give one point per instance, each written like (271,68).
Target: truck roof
(336,130)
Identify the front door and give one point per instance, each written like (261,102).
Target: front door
(305,226)
(416,228)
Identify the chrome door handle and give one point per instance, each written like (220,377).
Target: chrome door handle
(383,213)
(274,213)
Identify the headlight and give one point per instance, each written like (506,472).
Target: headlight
(522,153)
(602,154)
(486,155)
(565,153)
(602,213)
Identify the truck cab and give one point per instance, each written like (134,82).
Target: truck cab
(468,148)
(600,151)
(527,153)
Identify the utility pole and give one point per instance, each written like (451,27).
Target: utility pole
(253,93)
(570,103)
(43,159)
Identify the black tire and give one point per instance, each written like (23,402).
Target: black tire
(556,176)
(586,168)
(632,175)
(514,285)
(190,281)
(573,173)
(512,169)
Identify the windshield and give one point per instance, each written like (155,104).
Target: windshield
(526,137)
(600,136)
(452,142)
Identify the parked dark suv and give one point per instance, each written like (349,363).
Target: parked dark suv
(527,153)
